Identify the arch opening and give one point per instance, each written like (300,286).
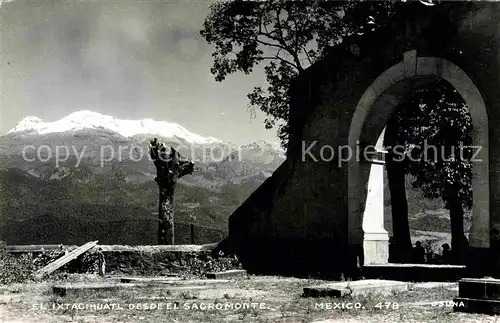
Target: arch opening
(372,113)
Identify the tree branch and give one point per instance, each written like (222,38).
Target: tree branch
(307,55)
(270,36)
(281,59)
(270,44)
(284,44)
(281,43)
(296,34)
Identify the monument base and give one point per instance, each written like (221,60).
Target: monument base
(376,248)
(480,296)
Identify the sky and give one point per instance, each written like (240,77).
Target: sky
(129,59)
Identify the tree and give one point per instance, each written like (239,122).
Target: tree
(169,168)
(433,123)
(288,36)
(396,173)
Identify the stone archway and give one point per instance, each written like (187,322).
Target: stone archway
(370,117)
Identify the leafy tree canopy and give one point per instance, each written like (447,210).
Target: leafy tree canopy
(434,125)
(286,36)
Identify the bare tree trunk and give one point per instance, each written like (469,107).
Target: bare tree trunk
(169,168)
(459,242)
(166,233)
(400,225)
(396,175)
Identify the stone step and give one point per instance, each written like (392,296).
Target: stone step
(430,285)
(479,288)
(80,288)
(91,288)
(479,306)
(172,281)
(355,288)
(148,279)
(227,274)
(414,272)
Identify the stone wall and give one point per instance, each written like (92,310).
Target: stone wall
(127,260)
(297,222)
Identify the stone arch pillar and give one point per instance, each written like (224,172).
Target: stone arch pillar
(381,98)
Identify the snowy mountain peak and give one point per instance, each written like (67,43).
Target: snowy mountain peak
(32,119)
(264,145)
(86,115)
(27,124)
(93,120)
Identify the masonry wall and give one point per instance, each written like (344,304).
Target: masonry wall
(296,222)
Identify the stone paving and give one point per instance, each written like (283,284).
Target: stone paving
(356,288)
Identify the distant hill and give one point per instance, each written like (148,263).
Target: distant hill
(108,208)
(424,214)
(429,220)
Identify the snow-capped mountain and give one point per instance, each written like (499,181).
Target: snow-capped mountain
(92,120)
(103,176)
(258,145)
(100,141)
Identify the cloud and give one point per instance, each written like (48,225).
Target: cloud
(129,59)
